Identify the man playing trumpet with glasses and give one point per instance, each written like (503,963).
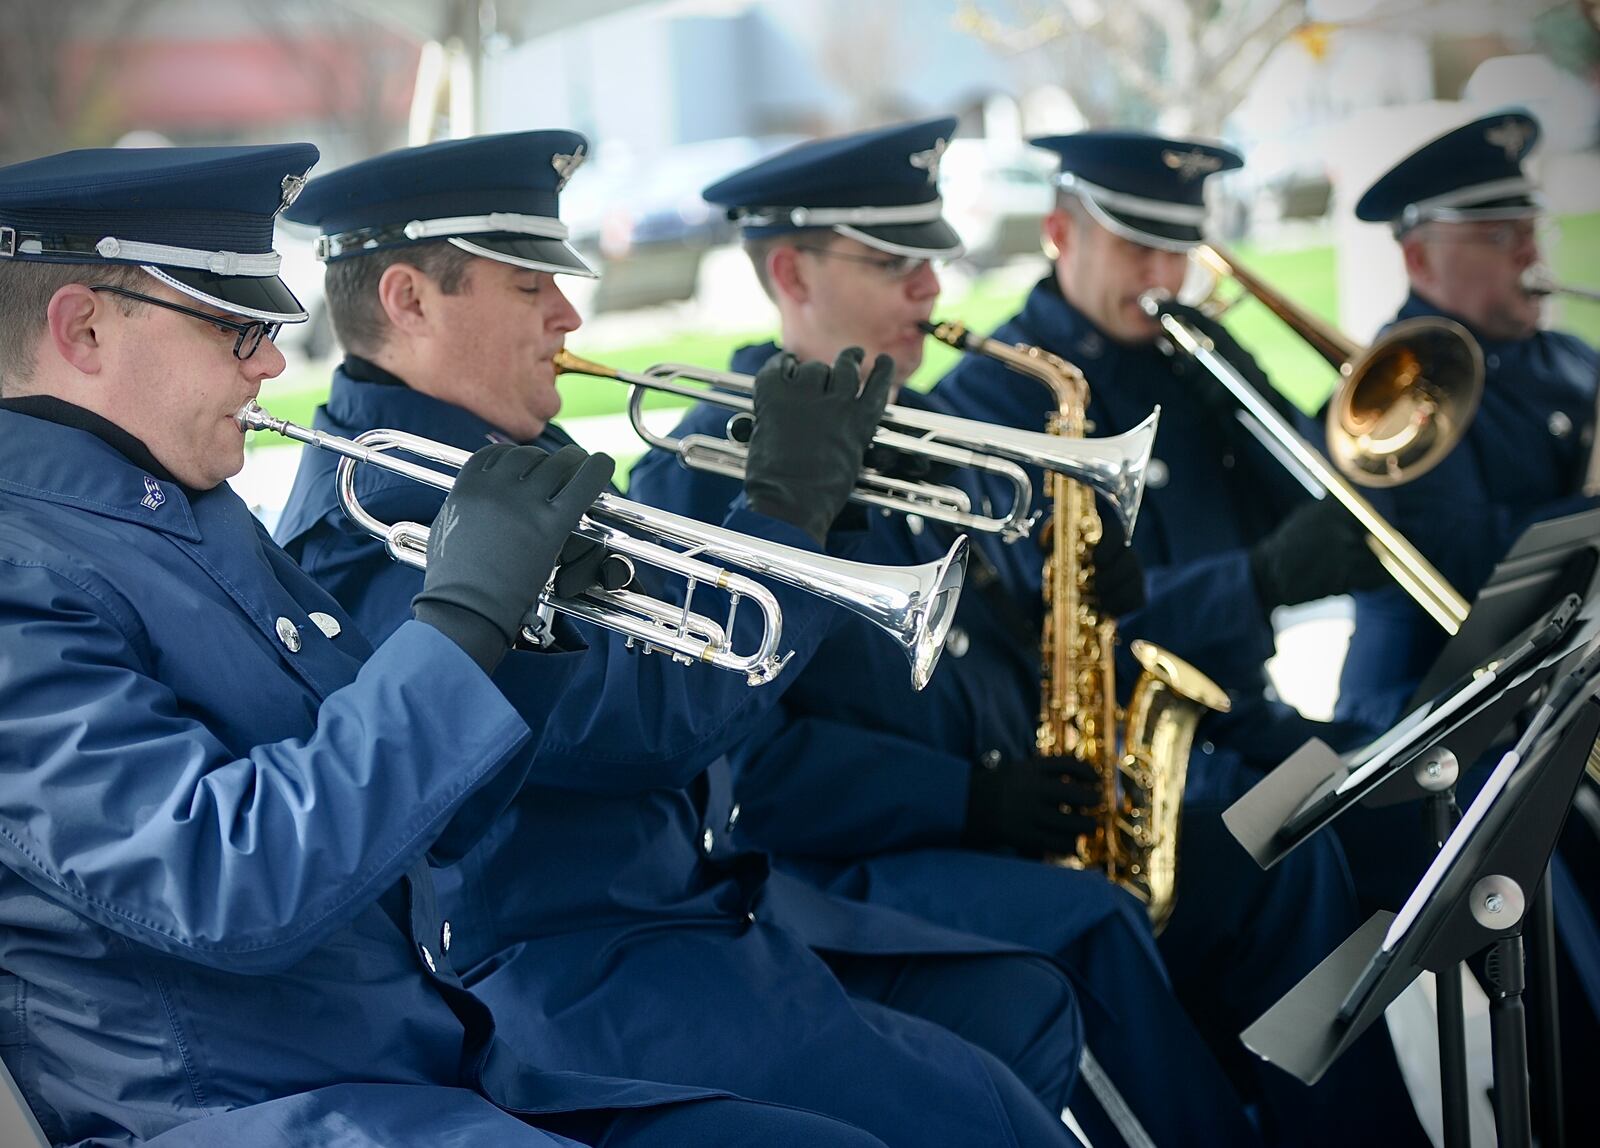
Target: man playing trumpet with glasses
(608,922)
(936,803)
(218,800)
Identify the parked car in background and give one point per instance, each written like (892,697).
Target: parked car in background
(302,271)
(644,221)
(995,193)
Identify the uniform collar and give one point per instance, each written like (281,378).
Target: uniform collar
(71,415)
(53,461)
(1063,329)
(1416,307)
(384,400)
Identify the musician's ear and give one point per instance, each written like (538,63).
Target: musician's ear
(1055,233)
(787,274)
(402,293)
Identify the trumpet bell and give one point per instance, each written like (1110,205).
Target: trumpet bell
(1406,403)
(922,625)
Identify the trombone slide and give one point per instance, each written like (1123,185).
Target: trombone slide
(1404,562)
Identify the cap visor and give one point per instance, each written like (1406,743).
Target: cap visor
(263,297)
(1160,234)
(556,256)
(935,239)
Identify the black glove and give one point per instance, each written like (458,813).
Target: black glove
(1118,573)
(1037,806)
(812,427)
(498,537)
(586,564)
(1318,551)
(892,463)
(1216,397)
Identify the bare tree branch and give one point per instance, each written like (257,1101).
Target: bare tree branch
(1195,58)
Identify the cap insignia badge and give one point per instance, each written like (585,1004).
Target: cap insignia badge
(1510,136)
(292,186)
(929,160)
(565,165)
(1190,164)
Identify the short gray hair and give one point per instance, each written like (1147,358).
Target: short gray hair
(351,288)
(26,289)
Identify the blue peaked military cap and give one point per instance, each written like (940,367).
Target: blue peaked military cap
(1471,173)
(1145,188)
(880,187)
(495,196)
(197,218)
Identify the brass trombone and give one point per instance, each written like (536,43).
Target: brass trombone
(1400,407)
(1113,466)
(913,604)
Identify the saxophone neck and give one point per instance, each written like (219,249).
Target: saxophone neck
(1066,382)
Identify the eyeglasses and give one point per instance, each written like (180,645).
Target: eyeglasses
(894,266)
(248,335)
(1507,235)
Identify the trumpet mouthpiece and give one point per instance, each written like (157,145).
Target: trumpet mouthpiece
(252,417)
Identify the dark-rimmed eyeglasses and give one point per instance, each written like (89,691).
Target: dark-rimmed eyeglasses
(894,266)
(247,336)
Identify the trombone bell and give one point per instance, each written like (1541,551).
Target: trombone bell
(1406,403)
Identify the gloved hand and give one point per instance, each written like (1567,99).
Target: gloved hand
(1036,806)
(497,538)
(892,463)
(1318,551)
(585,564)
(1216,397)
(812,427)
(1118,573)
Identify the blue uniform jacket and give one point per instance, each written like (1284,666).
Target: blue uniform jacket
(859,785)
(855,762)
(208,802)
(606,898)
(1522,460)
(1212,493)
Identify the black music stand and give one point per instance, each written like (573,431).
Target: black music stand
(1421,757)
(1485,676)
(1473,899)
(1549,561)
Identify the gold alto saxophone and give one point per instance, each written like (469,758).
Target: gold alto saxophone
(1140,755)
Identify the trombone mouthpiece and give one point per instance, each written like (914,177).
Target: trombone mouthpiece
(1536,280)
(1151,302)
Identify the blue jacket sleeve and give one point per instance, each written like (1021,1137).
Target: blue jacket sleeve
(630,720)
(121,804)
(642,721)
(1237,635)
(815,787)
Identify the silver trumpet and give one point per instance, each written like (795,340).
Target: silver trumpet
(913,604)
(1113,466)
(1538,280)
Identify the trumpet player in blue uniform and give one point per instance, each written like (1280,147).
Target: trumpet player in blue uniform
(606,920)
(219,800)
(938,803)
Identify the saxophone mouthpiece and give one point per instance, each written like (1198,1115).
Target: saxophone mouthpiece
(953,334)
